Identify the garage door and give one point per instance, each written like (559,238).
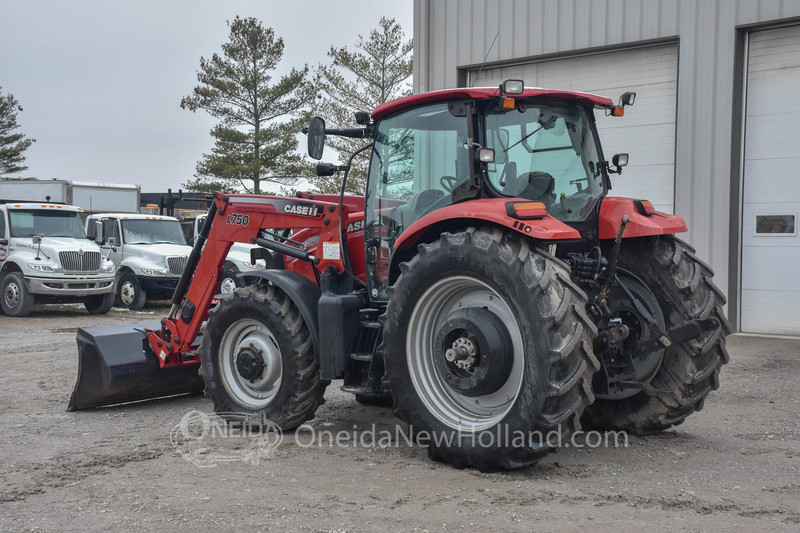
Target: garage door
(771,192)
(647,132)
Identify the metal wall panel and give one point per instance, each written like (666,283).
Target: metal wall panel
(771,253)
(648,129)
(707,33)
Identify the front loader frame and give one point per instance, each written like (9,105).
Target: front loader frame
(239,218)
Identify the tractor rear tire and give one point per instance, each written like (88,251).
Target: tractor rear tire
(259,329)
(516,420)
(690,371)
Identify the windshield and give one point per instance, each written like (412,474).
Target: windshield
(547,153)
(148,231)
(45,222)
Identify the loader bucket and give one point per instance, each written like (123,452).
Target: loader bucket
(117,365)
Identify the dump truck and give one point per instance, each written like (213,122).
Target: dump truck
(487,282)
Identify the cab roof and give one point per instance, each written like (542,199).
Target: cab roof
(132,216)
(42,205)
(484,93)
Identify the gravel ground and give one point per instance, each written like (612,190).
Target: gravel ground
(733,465)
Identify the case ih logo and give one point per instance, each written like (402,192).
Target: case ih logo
(309,210)
(358,225)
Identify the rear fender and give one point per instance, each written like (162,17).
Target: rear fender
(486,210)
(303,292)
(613,208)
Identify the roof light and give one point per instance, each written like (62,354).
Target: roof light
(524,210)
(513,87)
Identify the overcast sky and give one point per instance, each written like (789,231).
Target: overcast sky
(101,81)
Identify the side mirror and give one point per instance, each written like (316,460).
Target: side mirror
(98,230)
(111,242)
(316,137)
(627,98)
(619,161)
(4,241)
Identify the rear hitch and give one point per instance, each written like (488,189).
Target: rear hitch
(680,334)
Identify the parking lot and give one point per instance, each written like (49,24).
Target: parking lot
(733,465)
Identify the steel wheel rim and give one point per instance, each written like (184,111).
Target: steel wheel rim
(127,292)
(12,295)
(227,286)
(250,333)
(457,411)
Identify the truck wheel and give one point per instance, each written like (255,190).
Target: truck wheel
(229,282)
(257,358)
(488,350)
(681,284)
(130,294)
(16,300)
(99,304)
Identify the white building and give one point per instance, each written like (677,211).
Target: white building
(715,132)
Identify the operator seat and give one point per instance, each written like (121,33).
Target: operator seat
(416,206)
(537,186)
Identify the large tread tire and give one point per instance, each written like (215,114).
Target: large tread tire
(14,296)
(556,336)
(99,304)
(301,390)
(690,371)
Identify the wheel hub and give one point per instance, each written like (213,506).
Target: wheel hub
(474,353)
(12,295)
(127,292)
(250,363)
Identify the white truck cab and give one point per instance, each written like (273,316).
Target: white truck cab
(149,252)
(46,257)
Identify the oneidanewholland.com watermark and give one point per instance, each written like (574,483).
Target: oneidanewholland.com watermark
(209,439)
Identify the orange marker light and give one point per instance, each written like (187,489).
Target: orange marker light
(508,103)
(524,210)
(618,111)
(644,207)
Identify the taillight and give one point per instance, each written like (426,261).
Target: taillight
(524,210)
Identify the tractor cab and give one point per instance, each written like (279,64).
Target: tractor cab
(434,150)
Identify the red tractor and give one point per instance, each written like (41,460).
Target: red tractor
(486,283)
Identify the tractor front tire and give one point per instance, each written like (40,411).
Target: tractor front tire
(683,288)
(257,359)
(469,291)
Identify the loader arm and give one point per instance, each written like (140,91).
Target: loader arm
(236,218)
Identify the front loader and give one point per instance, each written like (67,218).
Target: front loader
(486,282)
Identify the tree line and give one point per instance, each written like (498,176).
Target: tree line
(259,115)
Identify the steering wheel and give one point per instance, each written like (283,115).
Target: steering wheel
(449,183)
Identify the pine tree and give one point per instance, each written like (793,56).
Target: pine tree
(255,140)
(12,145)
(377,71)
